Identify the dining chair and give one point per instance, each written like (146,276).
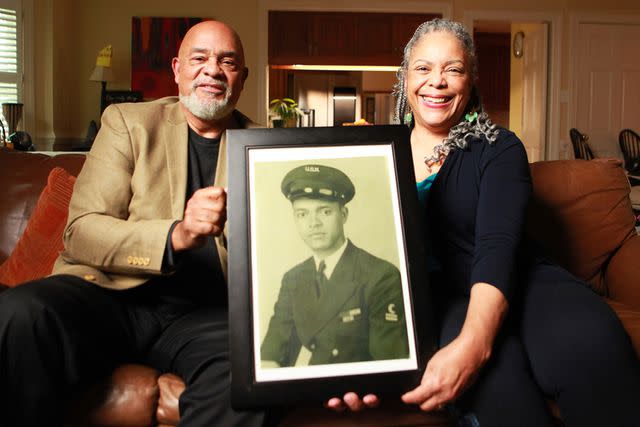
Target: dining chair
(630,146)
(581,149)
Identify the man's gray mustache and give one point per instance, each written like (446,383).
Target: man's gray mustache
(210,82)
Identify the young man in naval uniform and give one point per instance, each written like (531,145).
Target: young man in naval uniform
(342,304)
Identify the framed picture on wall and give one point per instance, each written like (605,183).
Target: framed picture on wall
(322,224)
(118,96)
(154,43)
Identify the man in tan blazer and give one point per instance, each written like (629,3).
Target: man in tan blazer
(142,276)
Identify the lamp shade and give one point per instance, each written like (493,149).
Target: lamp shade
(101,74)
(104,56)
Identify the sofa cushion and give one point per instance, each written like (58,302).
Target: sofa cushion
(41,242)
(581,213)
(24,175)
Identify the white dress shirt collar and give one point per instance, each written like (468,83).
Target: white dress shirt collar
(332,260)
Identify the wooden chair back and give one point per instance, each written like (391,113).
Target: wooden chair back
(630,147)
(581,149)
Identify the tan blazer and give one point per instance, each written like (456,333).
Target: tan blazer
(130,191)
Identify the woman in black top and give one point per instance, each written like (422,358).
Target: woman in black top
(515,329)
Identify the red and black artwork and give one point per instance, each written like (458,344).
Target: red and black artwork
(154,42)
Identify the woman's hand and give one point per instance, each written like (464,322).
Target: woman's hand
(455,366)
(352,402)
(449,372)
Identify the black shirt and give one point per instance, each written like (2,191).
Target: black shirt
(197,274)
(476,210)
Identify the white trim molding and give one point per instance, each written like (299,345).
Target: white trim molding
(28,67)
(554,20)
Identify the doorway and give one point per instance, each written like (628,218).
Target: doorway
(513,78)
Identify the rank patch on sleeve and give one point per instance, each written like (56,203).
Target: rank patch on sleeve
(391,315)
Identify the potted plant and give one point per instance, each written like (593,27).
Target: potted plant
(284,112)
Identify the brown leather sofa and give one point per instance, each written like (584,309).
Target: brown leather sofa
(581,212)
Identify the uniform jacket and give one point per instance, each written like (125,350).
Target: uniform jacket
(359,317)
(130,191)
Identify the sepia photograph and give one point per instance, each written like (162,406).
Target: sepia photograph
(332,292)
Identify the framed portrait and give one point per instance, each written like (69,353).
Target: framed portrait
(328,290)
(118,96)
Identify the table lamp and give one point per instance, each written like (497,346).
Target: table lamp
(103,73)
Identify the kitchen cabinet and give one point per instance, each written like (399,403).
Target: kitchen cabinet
(289,36)
(340,38)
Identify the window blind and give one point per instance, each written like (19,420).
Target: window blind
(9,59)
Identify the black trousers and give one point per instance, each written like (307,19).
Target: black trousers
(560,341)
(59,334)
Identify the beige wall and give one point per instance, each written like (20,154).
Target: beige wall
(71,32)
(80,28)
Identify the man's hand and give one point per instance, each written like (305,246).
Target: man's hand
(352,402)
(205,215)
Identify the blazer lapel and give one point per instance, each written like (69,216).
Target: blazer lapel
(240,122)
(175,138)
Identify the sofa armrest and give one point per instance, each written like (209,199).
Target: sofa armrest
(623,274)
(171,387)
(630,320)
(127,398)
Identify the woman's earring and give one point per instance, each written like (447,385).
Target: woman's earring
(408,118)
(470,117)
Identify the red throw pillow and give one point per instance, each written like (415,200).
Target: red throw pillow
(41,242)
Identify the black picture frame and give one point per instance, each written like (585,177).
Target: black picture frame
(119,96)
(257,160)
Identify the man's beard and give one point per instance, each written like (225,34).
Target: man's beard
(208,108)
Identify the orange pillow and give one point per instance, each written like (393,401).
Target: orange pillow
(41,242)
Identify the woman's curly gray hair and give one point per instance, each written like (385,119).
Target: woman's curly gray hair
(482,126)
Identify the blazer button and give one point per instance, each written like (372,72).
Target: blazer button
(129,260)
(89,277)
(335,352)
(146,261)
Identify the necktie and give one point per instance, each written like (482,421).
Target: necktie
(321,279)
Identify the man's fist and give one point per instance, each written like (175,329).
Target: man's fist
(205,215)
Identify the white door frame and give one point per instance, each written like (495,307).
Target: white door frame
(400,6)
(575,20)
(552,135)
(28,67)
